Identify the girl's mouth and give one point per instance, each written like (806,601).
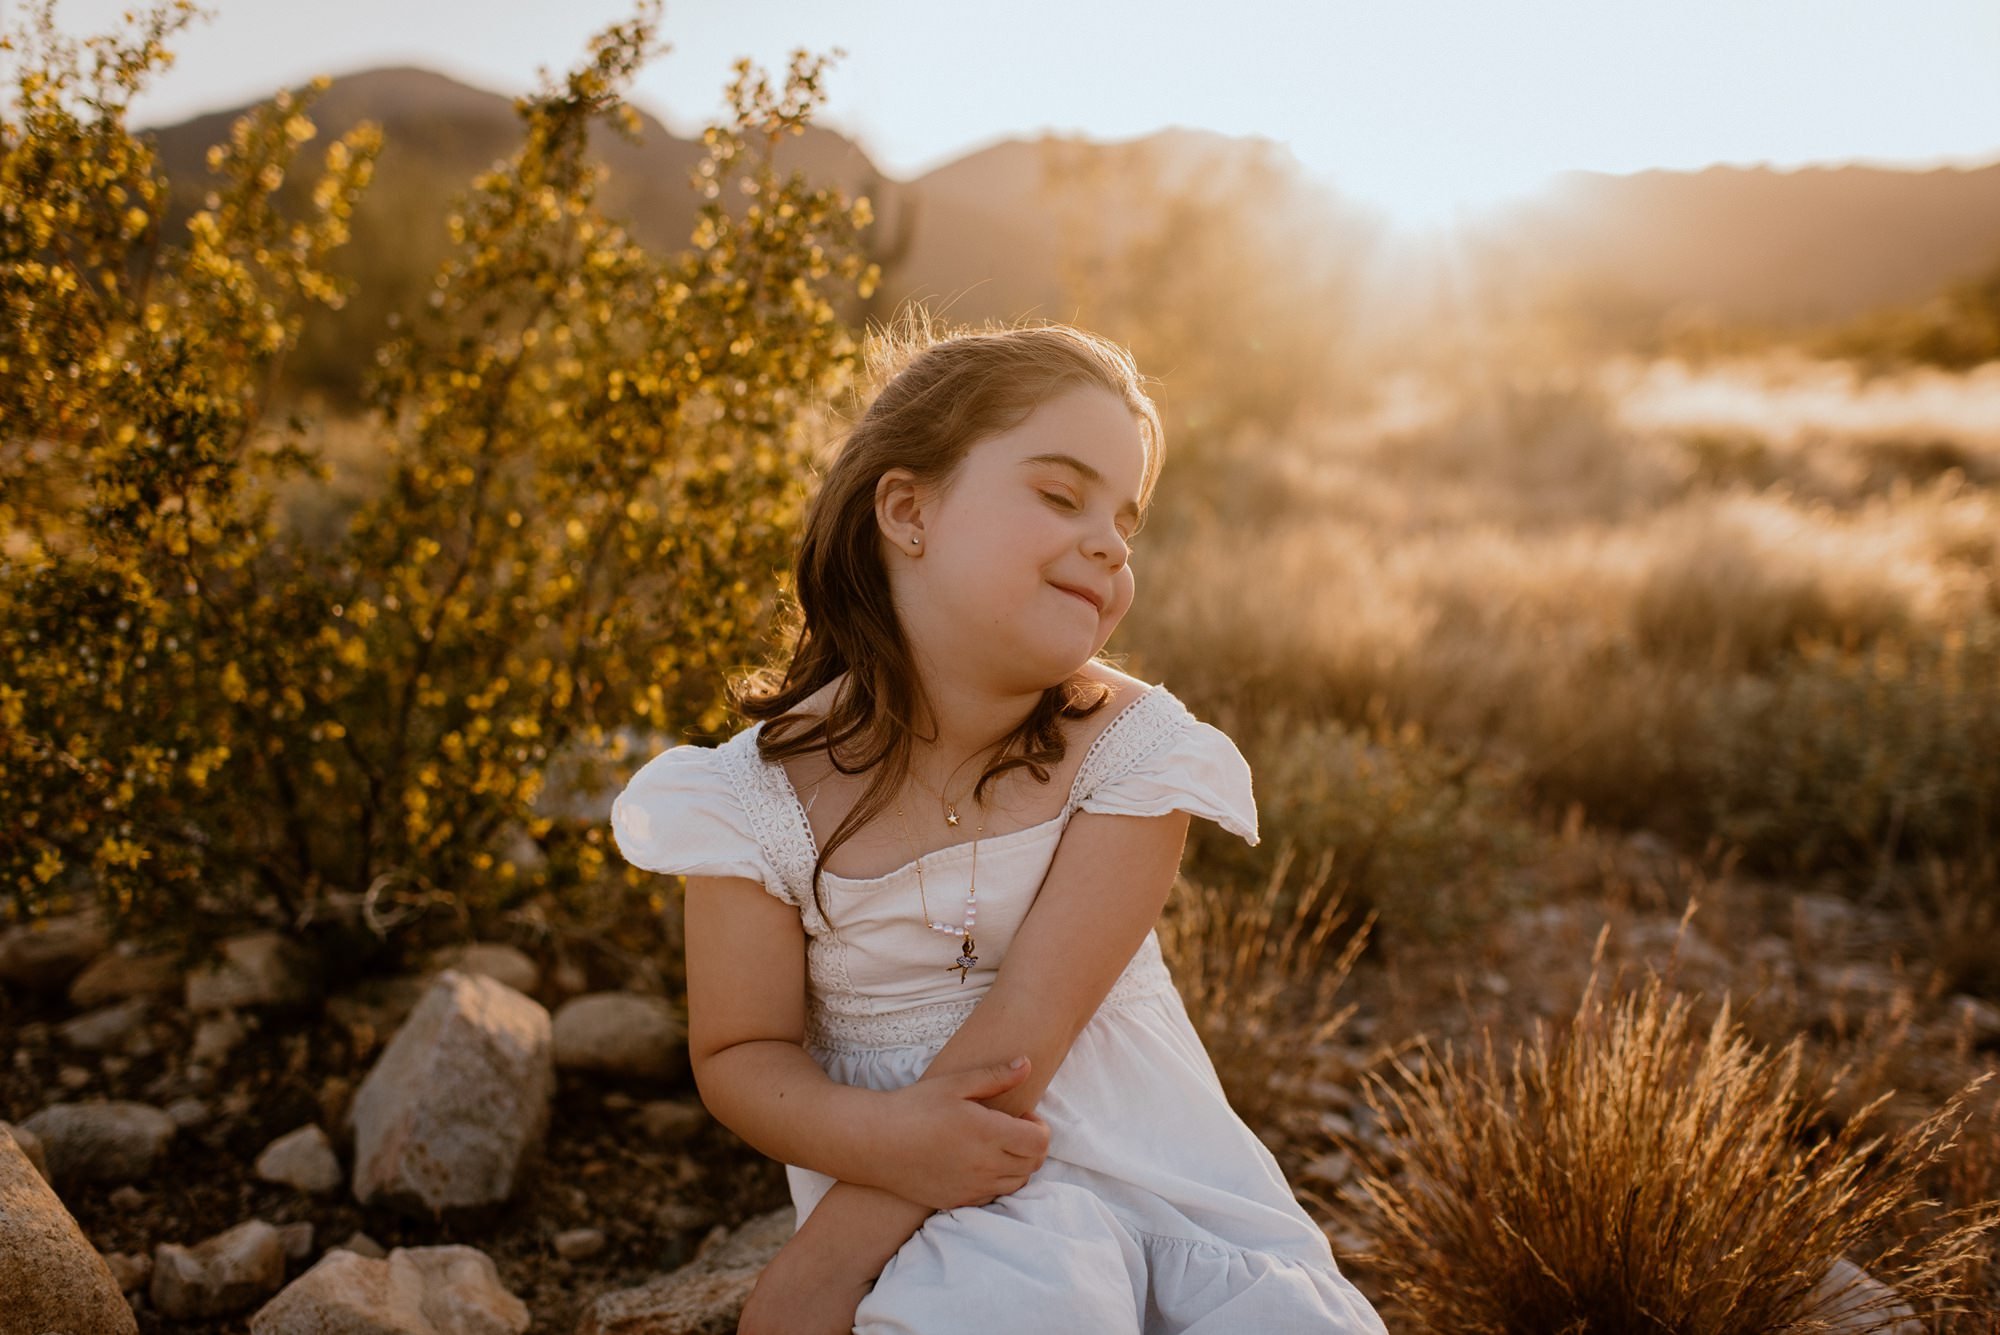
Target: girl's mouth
(1079,597)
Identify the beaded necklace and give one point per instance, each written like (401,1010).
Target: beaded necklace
(966,958)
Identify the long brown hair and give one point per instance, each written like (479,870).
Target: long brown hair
(941,392)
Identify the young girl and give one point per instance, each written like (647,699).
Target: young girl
(922,886)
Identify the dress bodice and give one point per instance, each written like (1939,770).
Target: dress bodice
(877,975)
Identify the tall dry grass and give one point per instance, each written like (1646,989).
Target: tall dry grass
(1260,973)
(1631,1173)
(1552,568)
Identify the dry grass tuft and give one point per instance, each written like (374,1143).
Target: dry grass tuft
(1259,977)
(1639,1176)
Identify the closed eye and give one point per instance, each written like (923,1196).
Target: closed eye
(1059,499)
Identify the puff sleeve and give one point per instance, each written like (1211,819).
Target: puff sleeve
(1196,769)
(679,814)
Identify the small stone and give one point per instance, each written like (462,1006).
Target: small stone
(362,1245)
(494,960)
(303,1159)
(120,973)
(73,1077)
(127,1197)
(297,1239)
(1978,1017)
(577,1244)
(215,1037)
(130,1269)
(104,1028)
(672,1122)
(1332,1169)
(31,1145)
(256,969)
(188,1113)
(228,1273)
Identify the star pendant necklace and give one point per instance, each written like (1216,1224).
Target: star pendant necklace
(966,956)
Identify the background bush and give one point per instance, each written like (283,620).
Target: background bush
(584,454)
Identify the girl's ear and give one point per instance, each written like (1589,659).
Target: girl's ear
(899,509)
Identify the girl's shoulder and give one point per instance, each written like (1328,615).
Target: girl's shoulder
(709,811)
(1155,756)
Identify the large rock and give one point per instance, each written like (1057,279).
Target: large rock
(45,954)
(622,1033)
(703,1297)
(101,1142)
(230,1272)
(50,1275)
(257,969)
(458,1102)
(450,1290)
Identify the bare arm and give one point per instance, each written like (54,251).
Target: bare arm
(746,969)
(1104,892)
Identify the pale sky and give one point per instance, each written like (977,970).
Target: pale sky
(1420,107)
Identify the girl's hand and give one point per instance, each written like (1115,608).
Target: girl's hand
(941,1147)
(804,1291)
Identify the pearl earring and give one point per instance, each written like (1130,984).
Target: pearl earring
(916,539)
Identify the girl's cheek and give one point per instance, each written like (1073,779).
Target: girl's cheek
(1123,587)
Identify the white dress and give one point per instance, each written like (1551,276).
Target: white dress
(1157,1210)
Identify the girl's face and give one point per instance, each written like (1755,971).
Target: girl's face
(1046,507)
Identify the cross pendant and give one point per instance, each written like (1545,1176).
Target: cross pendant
(966,959)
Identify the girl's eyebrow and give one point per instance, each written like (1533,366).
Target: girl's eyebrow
(1072,462)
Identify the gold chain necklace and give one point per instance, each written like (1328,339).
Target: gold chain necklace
(950,807)
(966,958)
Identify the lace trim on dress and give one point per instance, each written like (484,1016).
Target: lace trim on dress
(1146,725)
(831,1030)
(776,822)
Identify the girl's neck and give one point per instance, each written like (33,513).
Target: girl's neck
(969,722)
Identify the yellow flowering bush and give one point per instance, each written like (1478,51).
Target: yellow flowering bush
(205,718)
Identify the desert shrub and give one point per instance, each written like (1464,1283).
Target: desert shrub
(1954,908)
(1957,329)
(1636,1175)
(1426,838)
(205,719)
(1850,755)
(1259,972)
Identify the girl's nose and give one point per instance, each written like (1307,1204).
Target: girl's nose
(1106,545)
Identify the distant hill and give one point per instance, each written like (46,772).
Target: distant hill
(1785,247)
(978,236)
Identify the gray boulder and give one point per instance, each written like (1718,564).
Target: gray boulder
(101,1142)
(621,1033)
(45,954)
(458,1102)
(451,1290)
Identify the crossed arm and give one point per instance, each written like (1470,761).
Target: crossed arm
(1105,888)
